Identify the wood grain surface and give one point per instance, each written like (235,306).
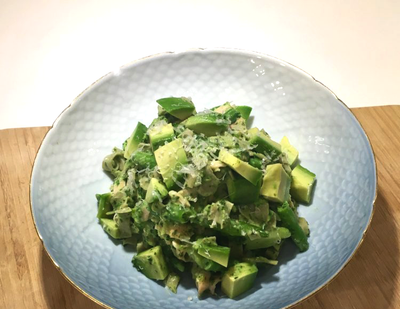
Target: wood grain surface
(28,279)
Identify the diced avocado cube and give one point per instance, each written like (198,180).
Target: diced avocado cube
(155,191)
(302,184)
(170,158)
(209,124)
(238,279)
(291,152)
(180,108)
(138,135)
(111,228)
(218,254)
(172,282)
(122,219)
(151,263)
(264,144)
(244,111)
(276,183)
(160,135)
(252,174)
(104,206)
(242,191)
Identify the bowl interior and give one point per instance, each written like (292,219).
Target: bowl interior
(67,173)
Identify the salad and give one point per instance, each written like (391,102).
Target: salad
(205,193)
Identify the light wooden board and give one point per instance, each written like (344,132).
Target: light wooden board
(28,279)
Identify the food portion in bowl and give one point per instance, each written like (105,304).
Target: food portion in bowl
(203,191)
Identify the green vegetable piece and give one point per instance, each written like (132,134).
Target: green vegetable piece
(144,160)
(112,229)
(242,191)
(260,260)
(205,263)
(156,191)
(178,213)
(274,237)
(291,152)
(304,226)
(246,170)
(223,140)
(159,135)
(289,220)
(170,158)
(135,139)
(244,111)
(256,162)
(208,123)
(276,183)
(302,184)
(232,115)
(265,144)
(238,279)
(222,109)
(104,206)
(151,263)
(122,219)
(208,248)
(180,108)
(172,282)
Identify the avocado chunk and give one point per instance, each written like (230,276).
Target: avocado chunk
(276,183)
(238,279)
(208,123)
(291,152)
(104,206)
(244,111)
(159,135)
(151,263)
(155,191)
(111,228)
(138,135)
(208,248)
(242,191)
(122,218)
(170,158)
(302,184)
(252,174)
(264,144)
(180,108)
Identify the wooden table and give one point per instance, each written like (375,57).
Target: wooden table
(28,279)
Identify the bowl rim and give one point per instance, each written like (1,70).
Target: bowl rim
(201,49)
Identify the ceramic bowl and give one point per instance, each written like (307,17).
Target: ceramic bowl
(286,101)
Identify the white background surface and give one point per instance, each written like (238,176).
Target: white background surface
(52,50)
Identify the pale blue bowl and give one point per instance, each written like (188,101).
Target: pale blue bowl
(286,101)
